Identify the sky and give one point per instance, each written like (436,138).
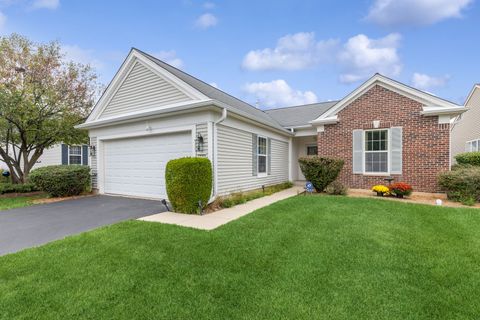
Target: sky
(270,53)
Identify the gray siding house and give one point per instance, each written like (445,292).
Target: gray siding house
(466,130)
(152,112)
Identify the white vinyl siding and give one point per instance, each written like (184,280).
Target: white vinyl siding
(51,156)
(93,162)
(142,90)
(467,128)
(235,149)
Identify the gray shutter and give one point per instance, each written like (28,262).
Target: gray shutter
(357,151)
(254,154)
(396,152)
(269,156)
(64,154)
(85,155)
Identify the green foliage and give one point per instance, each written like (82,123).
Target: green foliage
(336,188)
(462,184)
(2,178)
(17,188)
(243,197)
(320,171)
(188,181)
(62,180)
(468,158)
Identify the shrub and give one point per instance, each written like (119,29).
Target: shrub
(17,188)
(401,189)
(462,184)
(336,188)
(62,180)
(188,181)
(2,178)
(471,158)
(320,171)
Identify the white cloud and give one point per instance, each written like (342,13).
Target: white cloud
(278,93)
(46,4)
(415,12)
(361,57)
(79,55)
(425,82)
(293,52)
(209,5)
(170,57)
(206,21)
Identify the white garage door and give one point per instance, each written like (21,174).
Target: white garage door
(136,166)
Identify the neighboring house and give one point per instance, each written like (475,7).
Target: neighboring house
(152,112)
(466,129)
(60,154)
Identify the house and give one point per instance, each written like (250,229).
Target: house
(152,112)
(60,154)
(466,129)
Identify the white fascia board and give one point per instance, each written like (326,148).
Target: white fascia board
(475,87)
(323,121)
(414,94)
(430,111)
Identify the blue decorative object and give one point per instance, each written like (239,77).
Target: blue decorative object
(309,187)
(6,173)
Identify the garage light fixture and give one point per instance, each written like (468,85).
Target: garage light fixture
(93,151)
(199,142)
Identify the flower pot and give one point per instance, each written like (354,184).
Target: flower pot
(379,194)
(399,196)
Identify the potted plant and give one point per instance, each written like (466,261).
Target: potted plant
(381,190)
(401,189)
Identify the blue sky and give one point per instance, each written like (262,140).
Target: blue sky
(278,53)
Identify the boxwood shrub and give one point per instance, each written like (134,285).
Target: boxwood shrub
(62,180)
(320,171)
(468,158)
(462,184)
(17,188)
(188,181)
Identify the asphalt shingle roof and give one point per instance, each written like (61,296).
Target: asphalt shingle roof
(299,115)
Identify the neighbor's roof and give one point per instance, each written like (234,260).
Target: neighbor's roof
(216,94)
(300,115)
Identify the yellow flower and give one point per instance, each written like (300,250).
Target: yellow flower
(381,189)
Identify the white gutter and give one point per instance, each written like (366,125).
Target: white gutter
(436,111)
(223,117)
(329,120)
(215,154)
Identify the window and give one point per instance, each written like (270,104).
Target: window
(74,155)
(376,151)
(473,146)
(262,155)
(312,150)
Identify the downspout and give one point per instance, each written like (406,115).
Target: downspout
(215,153)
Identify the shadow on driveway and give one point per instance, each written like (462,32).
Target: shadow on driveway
(35,225)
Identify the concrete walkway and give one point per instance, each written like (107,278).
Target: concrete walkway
(216,219)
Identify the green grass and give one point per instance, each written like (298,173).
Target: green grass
(18,202)
(310,257)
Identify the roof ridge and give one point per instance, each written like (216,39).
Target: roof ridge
(301,105)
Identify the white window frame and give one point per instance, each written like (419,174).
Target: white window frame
(470,145)
(76,155)
(310,145)
(262,174)
(388,151)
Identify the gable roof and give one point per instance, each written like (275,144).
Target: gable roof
(296,116)
(433,104)
(216,94)
(475,87)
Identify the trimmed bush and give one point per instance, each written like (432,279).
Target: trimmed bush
(62,180)
(462,184)
(17,188)
(2,178)
(320,171)
(468,158)
(188,181)
(336,188)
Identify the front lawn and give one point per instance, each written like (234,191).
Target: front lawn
(302,258)
(18,202)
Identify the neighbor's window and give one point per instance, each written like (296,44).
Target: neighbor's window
(262,155)
(376,151)
(312,150)
(75,155)
(473,146)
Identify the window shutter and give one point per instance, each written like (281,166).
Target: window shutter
(269,156)
(85,155)
(357,151)
(254,154)
(64,154)
(396,152)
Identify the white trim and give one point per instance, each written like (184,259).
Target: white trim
(390,84)
(262,174)
(476,86)
(436,111)
(323,121)
(76,155)
(388,151)
(290,159)
(471,142)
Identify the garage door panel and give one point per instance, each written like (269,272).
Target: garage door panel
(136,166)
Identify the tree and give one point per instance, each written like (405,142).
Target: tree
(42,98)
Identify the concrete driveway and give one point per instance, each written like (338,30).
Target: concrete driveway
(32,226)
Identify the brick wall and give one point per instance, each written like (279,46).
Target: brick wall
(425,141)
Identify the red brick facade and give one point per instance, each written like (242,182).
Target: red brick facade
(426,143)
